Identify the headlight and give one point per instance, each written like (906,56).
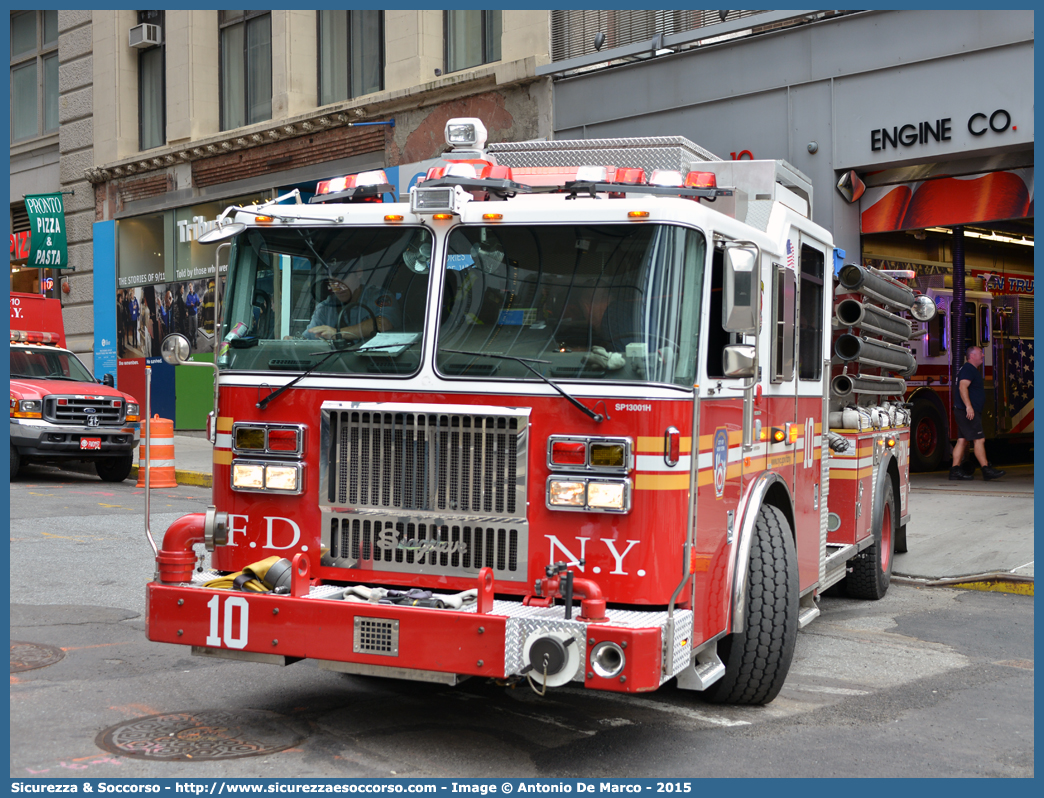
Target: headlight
(589,495)
(248,476)
(133,412)
(606,495)
(27,408)
(566,494)
(281,477)
(276,477)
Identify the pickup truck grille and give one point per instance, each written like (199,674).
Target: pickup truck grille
(425,489)
(78,409)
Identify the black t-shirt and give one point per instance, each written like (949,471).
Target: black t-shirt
(976,391)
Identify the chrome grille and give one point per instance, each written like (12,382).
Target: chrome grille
(428,461)
(79,408)
(438,489)
(391,544)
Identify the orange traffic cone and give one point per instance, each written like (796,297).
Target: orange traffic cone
(161,455)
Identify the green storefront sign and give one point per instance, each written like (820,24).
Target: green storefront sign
(47,238)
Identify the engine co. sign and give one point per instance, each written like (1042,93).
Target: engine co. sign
(47,241)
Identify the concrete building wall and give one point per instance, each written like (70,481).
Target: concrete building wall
(831,83)
(192,57)
(76,155)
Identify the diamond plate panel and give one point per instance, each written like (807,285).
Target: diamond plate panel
(654,152)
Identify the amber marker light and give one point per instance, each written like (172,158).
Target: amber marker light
(263,219)
(890,443)
(638,214)
(794,433)
(492,217)
(393,217)
(778,435)
(442,217)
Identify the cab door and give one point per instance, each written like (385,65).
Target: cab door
(814,299)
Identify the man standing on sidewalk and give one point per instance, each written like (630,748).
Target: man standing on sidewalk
(968,405)
(192,305)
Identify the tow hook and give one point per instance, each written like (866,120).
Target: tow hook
(564,583)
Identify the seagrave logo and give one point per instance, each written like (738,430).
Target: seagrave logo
(389,540)
(721,459)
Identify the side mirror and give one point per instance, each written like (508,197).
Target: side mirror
(221,233)
(108,381)
(742,292)
(738,361)
(175,349)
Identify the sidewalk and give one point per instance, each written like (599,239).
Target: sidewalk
(973,534)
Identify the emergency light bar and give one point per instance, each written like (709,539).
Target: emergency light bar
(33,337)
(361,187)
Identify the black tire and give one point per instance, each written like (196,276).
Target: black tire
(758,658)
(872,568)
(900,540)
(16,463)
(928,437)
(114,469)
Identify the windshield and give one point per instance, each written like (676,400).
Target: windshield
(605,302)
(297,294)
(47,364)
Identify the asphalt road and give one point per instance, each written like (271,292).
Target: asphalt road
(927,682)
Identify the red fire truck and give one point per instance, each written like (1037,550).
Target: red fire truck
(59,413)
(560,417)
(998,317)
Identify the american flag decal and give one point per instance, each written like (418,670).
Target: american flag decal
(1020,384)
(790,255)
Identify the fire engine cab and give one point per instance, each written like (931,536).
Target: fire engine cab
(572,415)
(59,412)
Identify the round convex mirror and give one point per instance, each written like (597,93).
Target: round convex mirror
(175,349)
(222,232)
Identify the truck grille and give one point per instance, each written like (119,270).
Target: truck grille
(432,490)
(77,410)
(439,462)
(424,547)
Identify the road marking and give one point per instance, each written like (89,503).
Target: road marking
(819,688)
(656,706)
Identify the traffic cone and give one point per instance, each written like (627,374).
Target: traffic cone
(161,455)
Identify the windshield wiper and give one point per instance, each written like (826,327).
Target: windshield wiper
(263,403)
(525,361)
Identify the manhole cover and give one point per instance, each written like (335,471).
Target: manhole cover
(27,656)
(204,735)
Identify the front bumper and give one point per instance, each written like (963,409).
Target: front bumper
(38,438)
(409,642)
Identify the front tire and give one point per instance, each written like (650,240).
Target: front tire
(872,569)
(114,469)
(16,463)
(757,659)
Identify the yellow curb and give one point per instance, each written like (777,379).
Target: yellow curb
(1014,584)
(196,478)
(999,586)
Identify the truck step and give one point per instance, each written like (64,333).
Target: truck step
(808,611)
(704,672)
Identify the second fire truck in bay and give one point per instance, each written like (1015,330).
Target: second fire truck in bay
(578,412)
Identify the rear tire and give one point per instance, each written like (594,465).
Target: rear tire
(114,469)
(872,569)
(758,658)
(928,437)
(900,540)
(16,463)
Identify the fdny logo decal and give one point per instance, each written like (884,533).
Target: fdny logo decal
(721,459)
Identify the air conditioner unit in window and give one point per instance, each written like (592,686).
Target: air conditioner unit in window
(146,35)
